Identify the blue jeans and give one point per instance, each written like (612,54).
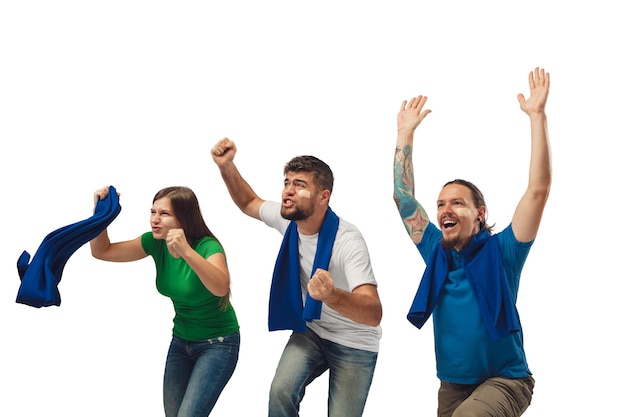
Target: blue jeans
(306,357)
(196,373)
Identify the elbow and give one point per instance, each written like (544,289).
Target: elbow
(252,207)
(379,316)
(220,293)
(221,290)
(376,321)
(98,254)
(99,248)
(375,317)
(396,199)
(541,192)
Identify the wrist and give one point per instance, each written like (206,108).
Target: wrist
(539,114)
(405,137)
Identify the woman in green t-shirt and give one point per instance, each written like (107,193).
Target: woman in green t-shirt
(191,270)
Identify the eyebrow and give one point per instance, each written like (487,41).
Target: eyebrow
(296,180)
(451,199)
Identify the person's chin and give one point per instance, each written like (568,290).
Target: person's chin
(291,214)
(448,242)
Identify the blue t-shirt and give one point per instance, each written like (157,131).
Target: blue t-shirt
(464,350)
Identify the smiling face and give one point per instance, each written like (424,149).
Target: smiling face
(458,217)
(162,218)
(299,194)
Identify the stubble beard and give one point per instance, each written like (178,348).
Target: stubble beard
(295,215)
(448,244)
(452,242)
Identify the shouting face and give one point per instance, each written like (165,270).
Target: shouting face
(162,218)
(457,215)
(298,196)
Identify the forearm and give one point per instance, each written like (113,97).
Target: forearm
(99,245)
(540,174)
(363,308)
(413,215)
(529,211)
(215,279)
(240,191)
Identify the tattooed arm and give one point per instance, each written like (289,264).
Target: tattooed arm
(411,211)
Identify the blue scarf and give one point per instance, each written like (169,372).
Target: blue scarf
(482,260)
(286,311)
(40,278)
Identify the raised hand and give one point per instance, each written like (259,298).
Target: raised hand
(539,83)
(223,151)
(101,194)
(411,114)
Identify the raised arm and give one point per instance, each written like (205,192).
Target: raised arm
(102,248)
(243,195)
(529,210)
(411,211)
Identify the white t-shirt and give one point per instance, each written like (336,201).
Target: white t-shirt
(349,267)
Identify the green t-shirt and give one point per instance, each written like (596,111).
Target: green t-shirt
(198,312)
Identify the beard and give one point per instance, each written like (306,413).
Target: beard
(297,213)
(448,244)
(456,242)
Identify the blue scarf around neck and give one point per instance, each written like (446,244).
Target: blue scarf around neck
(286,311)
(40,278)
(482,261)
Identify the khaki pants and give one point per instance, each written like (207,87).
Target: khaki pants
(496,397)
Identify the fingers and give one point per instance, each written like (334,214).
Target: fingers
(321,279)
(175,234)
(539,83)
(221,147)
(101,194)
(321,285)
(531,79)
(544,78)
(415,103)
(318,274)
(538,78)
(414,107)
(175,241)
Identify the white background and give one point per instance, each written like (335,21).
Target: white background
(135,93)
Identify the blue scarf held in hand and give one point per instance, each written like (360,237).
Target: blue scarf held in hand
(286,311)
(483,265)
(40,278)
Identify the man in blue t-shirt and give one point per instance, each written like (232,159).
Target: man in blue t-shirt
(472,275)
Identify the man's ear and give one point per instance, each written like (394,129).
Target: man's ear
(482,213)
(325,196)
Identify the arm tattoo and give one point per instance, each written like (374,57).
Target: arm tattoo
(412,213)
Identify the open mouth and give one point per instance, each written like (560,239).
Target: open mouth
(448,224)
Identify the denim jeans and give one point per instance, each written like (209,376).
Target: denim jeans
(306,356)
(196,373)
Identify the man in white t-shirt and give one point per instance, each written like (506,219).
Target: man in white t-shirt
(323,288)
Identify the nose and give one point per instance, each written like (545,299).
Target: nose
(289,189)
